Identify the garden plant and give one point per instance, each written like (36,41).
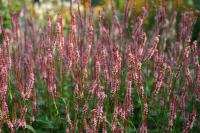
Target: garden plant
(119,72)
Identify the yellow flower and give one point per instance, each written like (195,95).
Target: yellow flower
(86,3)
(98,9)
(32,12)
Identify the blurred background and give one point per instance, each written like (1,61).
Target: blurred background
(37,9)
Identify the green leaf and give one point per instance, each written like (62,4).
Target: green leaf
(45,124)
(31,128)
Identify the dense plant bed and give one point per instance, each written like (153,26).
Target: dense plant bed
(101,76)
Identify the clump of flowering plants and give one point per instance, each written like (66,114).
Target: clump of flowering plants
(99,77)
